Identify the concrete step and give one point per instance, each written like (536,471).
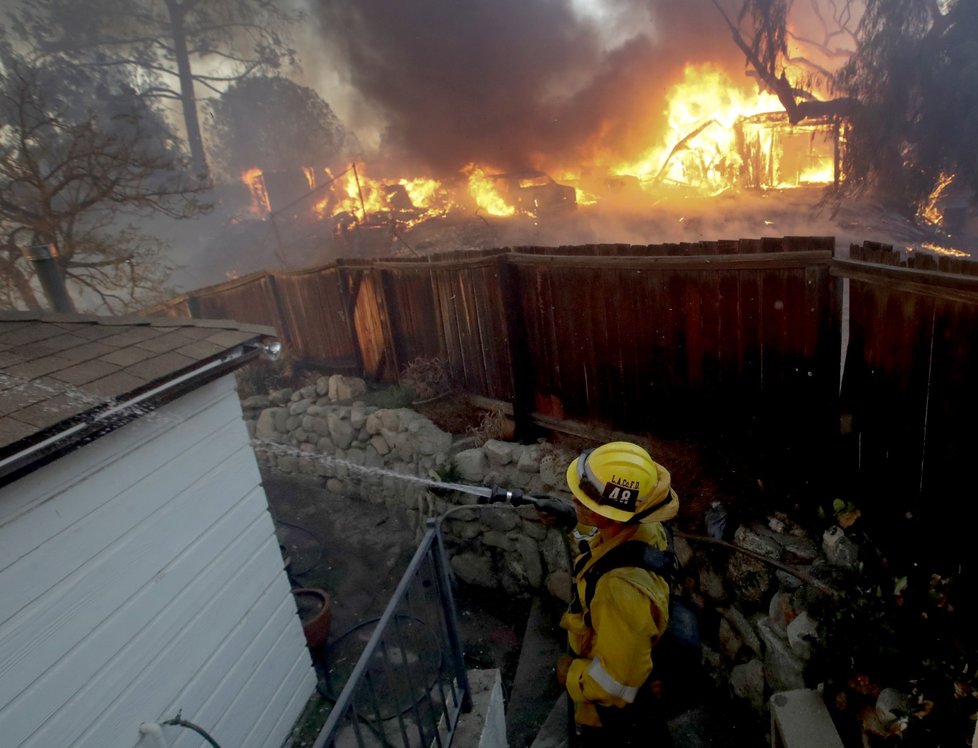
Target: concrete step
(554,732)
(696,728)
(535,687)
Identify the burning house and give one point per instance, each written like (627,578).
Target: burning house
(720,139)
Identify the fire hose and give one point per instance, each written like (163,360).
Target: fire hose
(566,518)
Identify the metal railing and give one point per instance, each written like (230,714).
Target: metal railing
(408,687)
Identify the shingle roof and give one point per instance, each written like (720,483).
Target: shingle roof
(55,368)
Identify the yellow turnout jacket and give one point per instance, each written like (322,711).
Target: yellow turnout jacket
(628,612)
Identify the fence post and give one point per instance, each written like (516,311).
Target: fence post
(524,382)
(276,303)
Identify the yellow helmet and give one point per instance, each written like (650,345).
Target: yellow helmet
(620,481)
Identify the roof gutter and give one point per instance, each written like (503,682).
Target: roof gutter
(119,414)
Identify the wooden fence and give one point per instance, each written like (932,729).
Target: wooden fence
(910,393)
(635,337)
(729,336)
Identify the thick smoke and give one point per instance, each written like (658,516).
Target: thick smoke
(517,83)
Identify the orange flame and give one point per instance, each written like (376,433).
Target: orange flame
(484,192)
(254,179)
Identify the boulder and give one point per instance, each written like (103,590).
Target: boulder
(358,415)
(747,682)
(742,626)
(529,461)
(265,427)
(380,444)
(348,388)
(257,402)
(473,568)
(802,632)
(299,407)
(471,465)
(340,431)
(503,518)
(783,669)
(281,397)
(498,453)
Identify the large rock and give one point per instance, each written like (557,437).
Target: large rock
(747,682)
(553,548)
(473,568)
(802,632)
(299,407)
(529,554)
(783,669)
(348,388)
(373,424)
(281,397)
(497,539)
(502,518)
(471,465)
(340,431)
(380,444)
(265,428)
(257,402)
(529,461)
(428,438)
(498,453)
(358,415)
(743,628)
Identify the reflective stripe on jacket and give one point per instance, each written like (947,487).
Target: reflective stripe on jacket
(629,611)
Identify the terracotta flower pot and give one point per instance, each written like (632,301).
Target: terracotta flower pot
(315,613)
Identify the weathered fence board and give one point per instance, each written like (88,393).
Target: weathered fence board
(365,302)
(315,318)
(909,385)
(249,299)
(643,341)
(635,336)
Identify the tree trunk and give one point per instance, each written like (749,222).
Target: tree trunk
(19,281)
(188,99)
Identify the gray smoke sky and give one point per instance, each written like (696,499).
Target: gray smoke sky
(513,83)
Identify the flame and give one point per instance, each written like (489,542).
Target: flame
(942,250)
(409,199)
(931,211)
(719,135)
(483,191)
(703,145)
(254,179)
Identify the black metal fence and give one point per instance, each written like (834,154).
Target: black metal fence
(408,687)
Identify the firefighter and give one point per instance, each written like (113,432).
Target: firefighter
(620,606)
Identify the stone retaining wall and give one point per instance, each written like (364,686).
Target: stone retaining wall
(758,624)
(373,454)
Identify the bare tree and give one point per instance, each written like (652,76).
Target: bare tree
(760,30)
(904,74)
(176,46)
(72,173)
(915,73)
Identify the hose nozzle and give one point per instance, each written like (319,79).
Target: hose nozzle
(562,512)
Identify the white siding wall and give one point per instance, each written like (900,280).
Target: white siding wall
(139,576)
